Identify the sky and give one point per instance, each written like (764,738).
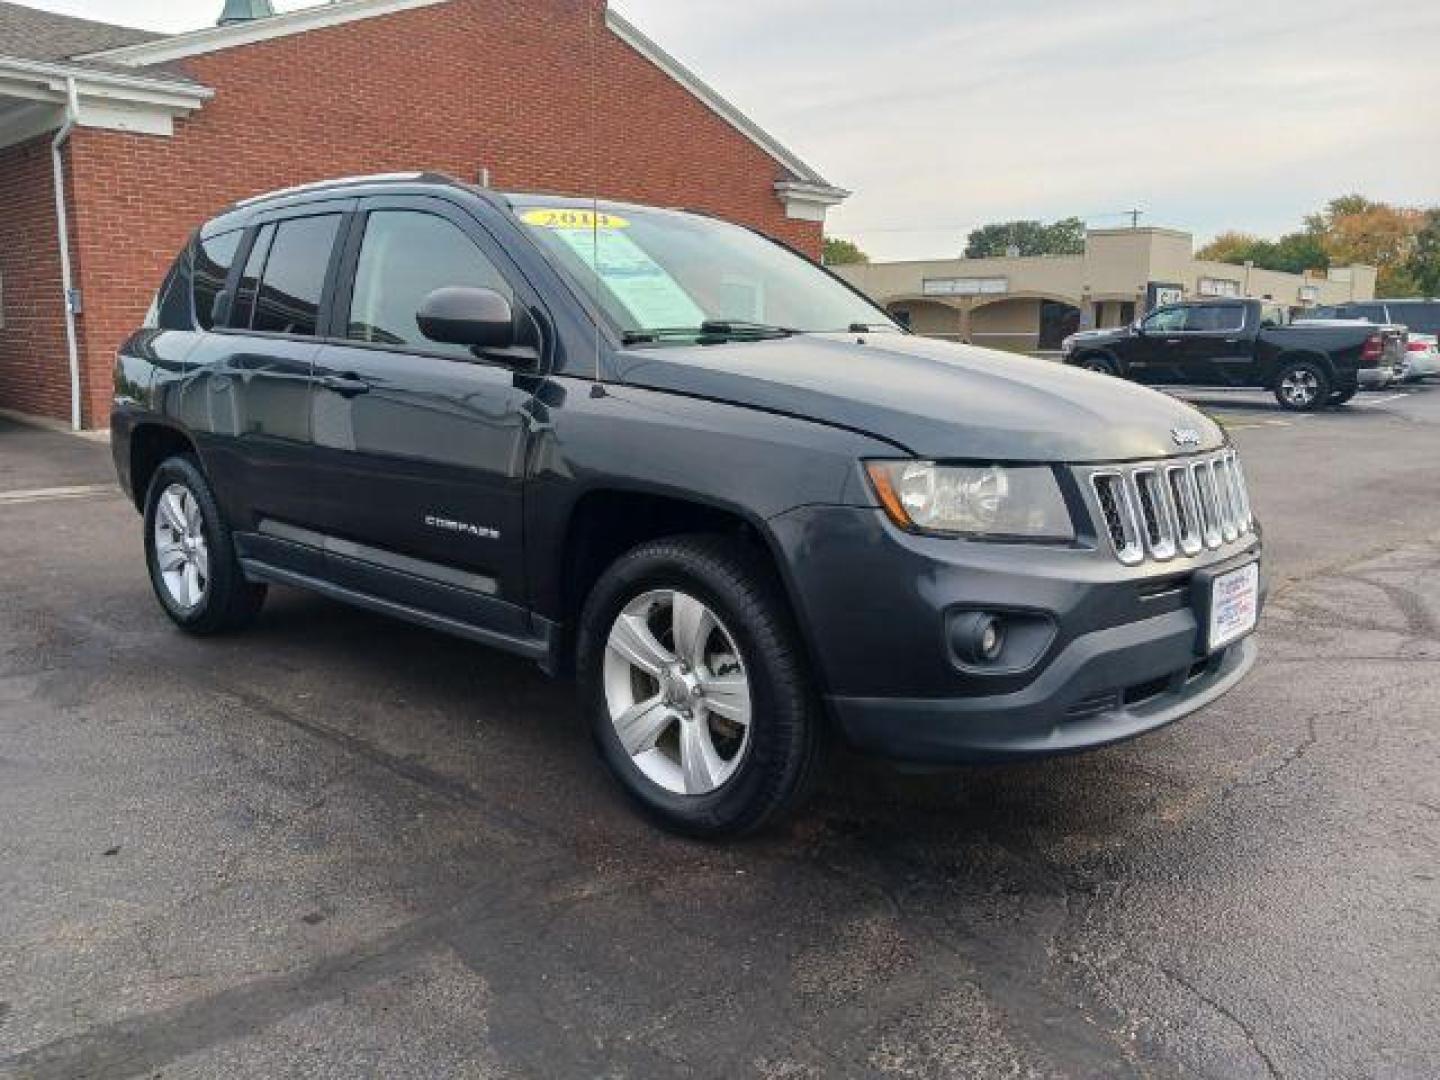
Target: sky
(942,115)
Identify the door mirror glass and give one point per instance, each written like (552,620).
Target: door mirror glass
(461,315)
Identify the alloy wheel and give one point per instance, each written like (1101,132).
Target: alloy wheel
(677,692)
(1300,387)
(181,554)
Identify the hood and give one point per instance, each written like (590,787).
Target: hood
(1114,333)
(935,399)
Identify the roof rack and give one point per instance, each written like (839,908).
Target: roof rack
(346,181)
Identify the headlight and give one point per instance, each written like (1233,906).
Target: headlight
(1022,502)
(1067,345)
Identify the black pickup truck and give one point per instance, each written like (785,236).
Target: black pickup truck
(1244,343)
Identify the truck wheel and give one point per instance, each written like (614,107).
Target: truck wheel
(1341,397)
(1101,365)
(1302,386)
(698,695)
(191,555)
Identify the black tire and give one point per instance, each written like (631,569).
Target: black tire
(1096,362)
(229,602)
(1302,386)
(787,735)
(1342,397)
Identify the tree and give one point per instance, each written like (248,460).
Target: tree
(1297,252)
(1230,247)
(1063,237)
(842,252)
(1425,258)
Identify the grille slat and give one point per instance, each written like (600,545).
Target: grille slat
(1162,510)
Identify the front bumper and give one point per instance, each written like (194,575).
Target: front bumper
(1088,697)
(1125,655)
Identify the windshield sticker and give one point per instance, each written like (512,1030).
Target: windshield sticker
(567,218)
(651,295)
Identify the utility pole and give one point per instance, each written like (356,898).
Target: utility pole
(1134,216)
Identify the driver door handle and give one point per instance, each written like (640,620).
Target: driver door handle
(345,385)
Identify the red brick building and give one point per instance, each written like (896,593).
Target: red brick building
(151,134)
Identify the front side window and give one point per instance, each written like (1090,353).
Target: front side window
(213,258)
(405,256)
(1165,321)
(669,272)
(294,276)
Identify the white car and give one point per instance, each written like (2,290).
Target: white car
(1420,317)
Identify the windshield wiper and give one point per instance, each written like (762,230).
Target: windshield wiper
(710,330)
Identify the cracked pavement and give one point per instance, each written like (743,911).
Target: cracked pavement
(340,846)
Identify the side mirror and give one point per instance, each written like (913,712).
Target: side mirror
(1138,327)
(480,318)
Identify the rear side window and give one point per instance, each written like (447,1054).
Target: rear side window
(406,255)
(1215,318)
(1375,313)
(294,276)
(213,258)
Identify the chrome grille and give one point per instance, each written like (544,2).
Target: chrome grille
(1163,509)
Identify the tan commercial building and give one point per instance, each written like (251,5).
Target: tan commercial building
(1030,303)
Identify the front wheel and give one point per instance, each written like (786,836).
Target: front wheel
(693,677)
(1302,386)
(1100,365)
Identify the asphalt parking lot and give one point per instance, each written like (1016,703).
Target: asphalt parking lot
(340,846)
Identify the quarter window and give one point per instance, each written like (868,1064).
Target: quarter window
(213,259)
(406,255)
(294,277)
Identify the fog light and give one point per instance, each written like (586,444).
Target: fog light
(990,640)
(978,638)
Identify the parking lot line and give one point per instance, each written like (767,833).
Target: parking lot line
(84,491)
(1381,401)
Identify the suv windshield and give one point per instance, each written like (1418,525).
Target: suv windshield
(664,275)
(1417,318)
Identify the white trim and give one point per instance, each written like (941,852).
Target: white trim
(215,38)
(51,76)
(114,101)
(632,36)
(808,202)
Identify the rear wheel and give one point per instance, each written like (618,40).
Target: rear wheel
(698,697)
(191,555)
(1302,386)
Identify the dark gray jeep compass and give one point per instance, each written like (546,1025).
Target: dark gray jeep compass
(748,510)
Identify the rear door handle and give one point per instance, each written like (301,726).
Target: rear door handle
(345,385)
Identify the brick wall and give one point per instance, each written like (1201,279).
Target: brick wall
(453,87)
(34,362)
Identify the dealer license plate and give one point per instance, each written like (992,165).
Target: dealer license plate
(1234,605)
